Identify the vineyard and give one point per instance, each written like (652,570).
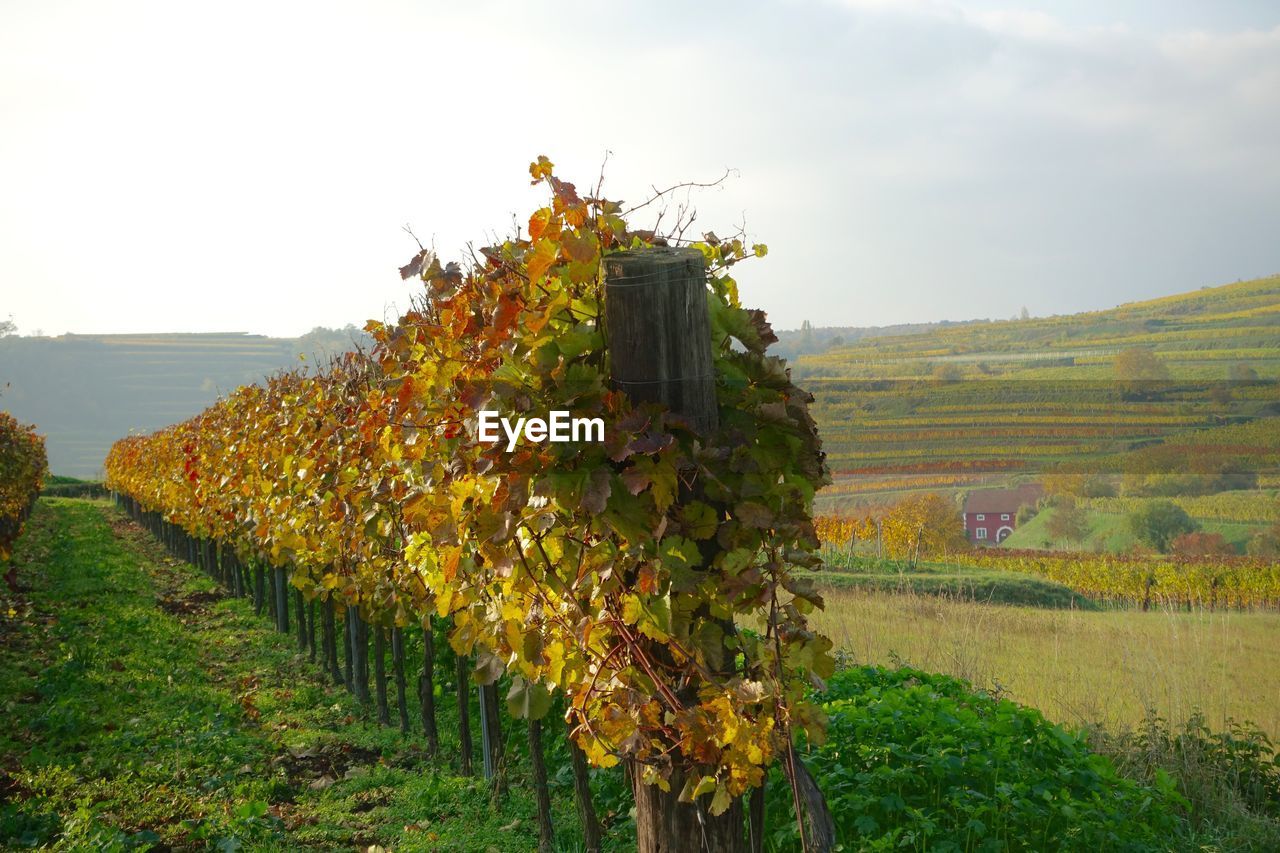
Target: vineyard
(363,500)
(22,471)
(632,614)
(1141,580)
(967,404)
(1145,581)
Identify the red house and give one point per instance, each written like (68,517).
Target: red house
(991,514)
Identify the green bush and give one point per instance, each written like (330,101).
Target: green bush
(1158,523)
(920,761)
(75,489)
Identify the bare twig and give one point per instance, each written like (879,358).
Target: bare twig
(684,185)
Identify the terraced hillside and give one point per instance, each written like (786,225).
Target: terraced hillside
(961,405)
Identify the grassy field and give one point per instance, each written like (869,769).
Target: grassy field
(1109,531)
(143,708)
(1077,666)
(146,710)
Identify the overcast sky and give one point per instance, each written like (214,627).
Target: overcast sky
(247,166)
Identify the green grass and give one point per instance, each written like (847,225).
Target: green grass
(143,708)
(1109,531)
(1104,667)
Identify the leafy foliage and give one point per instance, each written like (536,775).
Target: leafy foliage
(914,527)
(1158,523)
(586,570)
(23,466)
(922,761)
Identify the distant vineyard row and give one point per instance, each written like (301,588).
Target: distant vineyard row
(22,469)
(1140,580)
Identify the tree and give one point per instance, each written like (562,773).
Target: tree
(1266,543)
(922,526)
(1080,485)
(8,327)
(1024,314)
(1158,523)
(1067,522)
(1136,369)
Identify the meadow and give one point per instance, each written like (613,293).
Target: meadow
(1081,667)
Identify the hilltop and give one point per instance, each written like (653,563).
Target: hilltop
(85,391)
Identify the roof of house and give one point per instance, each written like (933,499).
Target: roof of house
(1003,500)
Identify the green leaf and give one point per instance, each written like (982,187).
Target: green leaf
(529,700)
(698,520)
(721,801)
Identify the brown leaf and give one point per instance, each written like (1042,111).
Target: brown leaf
(413,269)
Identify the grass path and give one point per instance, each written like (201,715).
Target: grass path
(144,711)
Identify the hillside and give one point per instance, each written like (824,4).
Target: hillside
(973,403)
(85,391)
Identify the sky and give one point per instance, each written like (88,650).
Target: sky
(249,166)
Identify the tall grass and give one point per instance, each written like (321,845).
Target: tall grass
(1109,668)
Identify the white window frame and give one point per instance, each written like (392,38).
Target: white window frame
(981,517)
(980,533)
(1004,516)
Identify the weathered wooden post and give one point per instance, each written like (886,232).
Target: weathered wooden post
(491,737)
(462,677)
(659,333)
(427,688)
(546,831)
(397,666)
(659,338)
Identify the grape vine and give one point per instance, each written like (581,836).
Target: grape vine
(647,578)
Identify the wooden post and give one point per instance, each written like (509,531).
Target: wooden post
(397,665)
(546,832)
(380,674)
(659,338)
(300,615)
(462,675)
(427,688)
(348,652)
(329,634)
(360,654)
(659,332)
(491,737)
(282,600)
(582,790)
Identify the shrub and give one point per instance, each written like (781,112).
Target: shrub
(1067,522)
(921,761)
(1202,545)
(1266,543)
